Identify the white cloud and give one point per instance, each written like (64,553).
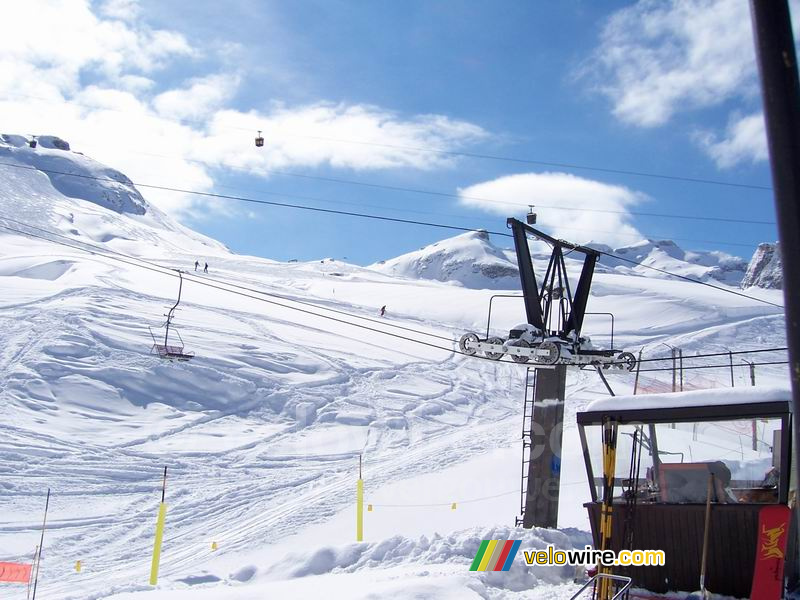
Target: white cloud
(199,98)
(176,133)
(745,140)
(311,136)
(136,84)
(656,58)
(514,193)
(125,10)
(58,40)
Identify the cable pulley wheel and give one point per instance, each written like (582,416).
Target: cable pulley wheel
(494,355)
(462,344)
(521,358)
(627,360)
(555,353)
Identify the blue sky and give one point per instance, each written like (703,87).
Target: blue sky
(172,93)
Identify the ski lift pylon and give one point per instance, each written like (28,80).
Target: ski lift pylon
(555,313)
(167,350)
(259,140)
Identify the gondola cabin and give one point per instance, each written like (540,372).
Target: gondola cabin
(671,459)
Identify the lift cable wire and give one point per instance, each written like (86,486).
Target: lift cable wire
(559,165)
(188,277)
(734,353)
(256,201)
(712,354)
(377,217)
(722,366)
(323,210)
(440,151)
(684,277)
(462,197)
(333,310)
(150,266)
(228,282)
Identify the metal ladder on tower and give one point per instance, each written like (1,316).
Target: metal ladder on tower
(527,440)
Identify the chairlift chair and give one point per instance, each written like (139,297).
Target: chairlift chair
(531,216)
(259,140)
(167,350)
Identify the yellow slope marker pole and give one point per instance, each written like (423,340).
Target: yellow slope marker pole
(610,429)
(359,505)
(162,515)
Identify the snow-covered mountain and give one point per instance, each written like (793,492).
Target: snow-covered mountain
(472,260)
(292,382)
(70,173)
(46,183)
(765,269)
(469,259)
(668,256)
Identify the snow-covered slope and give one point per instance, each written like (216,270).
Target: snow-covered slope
(262,430)
(765,269)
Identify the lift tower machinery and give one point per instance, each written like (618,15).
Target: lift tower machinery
(550,341)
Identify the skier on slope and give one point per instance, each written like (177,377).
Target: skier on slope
(383,310)
(205,269)
(196,264)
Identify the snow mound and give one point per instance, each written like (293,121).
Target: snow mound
(469,259)
(459,548)
(36,269)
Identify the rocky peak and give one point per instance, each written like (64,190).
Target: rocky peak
(765,269)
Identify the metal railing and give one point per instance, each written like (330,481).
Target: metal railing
(626,581)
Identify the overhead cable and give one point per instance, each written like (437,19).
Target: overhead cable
(441,151)
(377,217)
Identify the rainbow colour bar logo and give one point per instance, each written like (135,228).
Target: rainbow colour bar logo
(495,555)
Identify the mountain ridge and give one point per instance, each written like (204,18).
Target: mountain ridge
(473,261)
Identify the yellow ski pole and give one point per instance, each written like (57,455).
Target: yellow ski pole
(162,514)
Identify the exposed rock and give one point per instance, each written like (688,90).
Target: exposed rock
(765,270)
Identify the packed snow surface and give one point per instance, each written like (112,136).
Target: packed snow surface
(291,382)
